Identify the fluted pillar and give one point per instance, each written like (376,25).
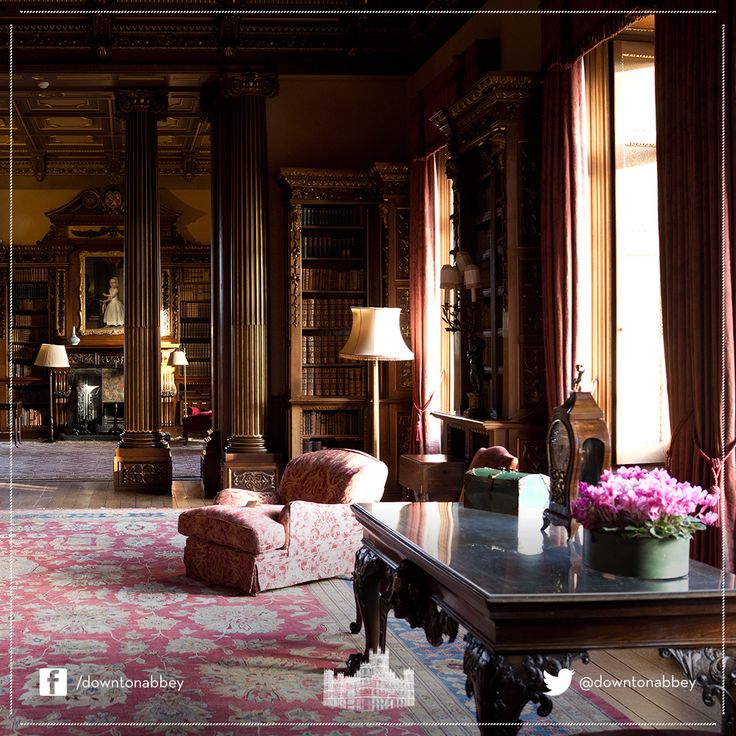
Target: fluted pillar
(237,110)
(143,458)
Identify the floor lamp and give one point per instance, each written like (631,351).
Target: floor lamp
(51,356)
(178,358)
(376,335)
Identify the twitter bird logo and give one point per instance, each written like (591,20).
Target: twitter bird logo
(556,685)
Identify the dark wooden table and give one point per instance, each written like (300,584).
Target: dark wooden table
(529,604)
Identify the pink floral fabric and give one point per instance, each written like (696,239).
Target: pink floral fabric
(242,497)
(253,530)
(314,536)
(333,476)
(220,565)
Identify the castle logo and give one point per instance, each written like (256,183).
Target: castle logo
(374,687)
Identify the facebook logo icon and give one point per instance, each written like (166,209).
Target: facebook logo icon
(52,681)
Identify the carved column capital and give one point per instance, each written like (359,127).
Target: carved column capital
(249,83)
(141,100)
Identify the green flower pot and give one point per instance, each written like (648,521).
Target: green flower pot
(639,557)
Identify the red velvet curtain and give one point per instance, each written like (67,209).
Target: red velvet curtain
(565,38)
(562,171)
(424,305)
(697,259)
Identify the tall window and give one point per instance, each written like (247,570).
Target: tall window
(642,420)
(626,329)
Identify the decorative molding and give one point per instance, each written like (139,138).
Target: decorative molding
(530,302)
(60,302)
(493,102)
(93,359)
(102,35)
(529,194)
(249,83)
(38,165)
(142,474)
(392,178)
(141,100)
(402,242)
(383,213)
(23,166)
(295,263)
(259,481)
(403,434)
(533,389)
(329,185)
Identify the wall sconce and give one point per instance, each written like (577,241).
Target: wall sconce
(464,274)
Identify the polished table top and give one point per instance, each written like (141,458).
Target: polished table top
(508,557)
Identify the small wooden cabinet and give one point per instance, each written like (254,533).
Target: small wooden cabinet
(432,477)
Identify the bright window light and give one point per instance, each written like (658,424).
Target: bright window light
(642,428)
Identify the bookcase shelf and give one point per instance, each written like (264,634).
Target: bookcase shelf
(31,318)
(332,241)
(195,332)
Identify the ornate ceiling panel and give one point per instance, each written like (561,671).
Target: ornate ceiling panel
(70,57)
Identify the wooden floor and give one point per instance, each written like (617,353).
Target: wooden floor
(646,705)
(97,494)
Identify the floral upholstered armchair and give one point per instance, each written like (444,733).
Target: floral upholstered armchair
(304,531)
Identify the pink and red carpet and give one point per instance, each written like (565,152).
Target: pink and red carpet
(102,594)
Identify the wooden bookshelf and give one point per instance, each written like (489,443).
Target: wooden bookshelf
(332,232)
(195,333)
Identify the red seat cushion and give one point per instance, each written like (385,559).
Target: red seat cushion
(253,530)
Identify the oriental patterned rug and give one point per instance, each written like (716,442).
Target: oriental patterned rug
(90,460)
(103,595)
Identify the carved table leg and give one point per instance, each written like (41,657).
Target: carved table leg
(715,674)
(368,579)
(502,686)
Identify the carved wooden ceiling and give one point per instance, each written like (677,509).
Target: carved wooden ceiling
(70,57)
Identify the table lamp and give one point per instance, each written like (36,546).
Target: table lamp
(376,335)
(179,358)
(51,356)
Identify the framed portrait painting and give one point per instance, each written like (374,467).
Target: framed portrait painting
(101,293)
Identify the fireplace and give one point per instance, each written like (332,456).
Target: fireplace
(96,403)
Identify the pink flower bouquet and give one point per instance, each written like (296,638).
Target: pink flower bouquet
(640,503)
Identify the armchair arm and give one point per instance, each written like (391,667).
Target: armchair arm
(323,528)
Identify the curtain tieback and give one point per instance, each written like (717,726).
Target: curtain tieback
(422,410)
(716,469)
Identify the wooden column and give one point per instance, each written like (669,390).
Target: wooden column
(143,458)
(240,185)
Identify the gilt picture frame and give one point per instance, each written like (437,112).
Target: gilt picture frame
(101,293)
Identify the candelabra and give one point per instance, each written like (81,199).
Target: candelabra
(455,278)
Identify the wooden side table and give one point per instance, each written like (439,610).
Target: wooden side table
(432,477)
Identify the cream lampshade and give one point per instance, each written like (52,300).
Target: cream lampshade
(463,260)
(450,279)
(51,356)
(376,335)
(471,277)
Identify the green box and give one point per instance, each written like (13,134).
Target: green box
(492,489)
